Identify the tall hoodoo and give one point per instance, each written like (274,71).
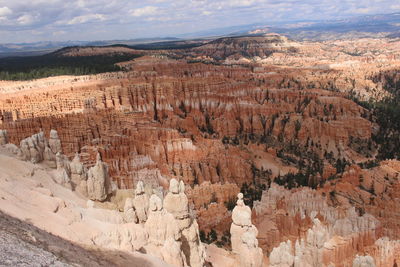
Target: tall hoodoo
(163,234)
(176,202)
(141,202)
(54,142)
(244,236)
(98,183)
(78,175)
(129,211)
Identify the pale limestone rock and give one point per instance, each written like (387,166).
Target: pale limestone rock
(98,184)
(244,236)
(163,234)
(129,211)
(310,251)
(62,162)
(50,157)
(250,254)
(90,204)
(141,203)
(29,151)
(63,174)
(192,247)
(62,177)
(36,149)
(282,256)
(54,142)
(241,214)
(176,202)
(363,261)
(13,149)
(174,186)
(241,217)
(25,153)
(128,236)
(82,188)
(78,175)
(3,137)
(40,142)
(33,151)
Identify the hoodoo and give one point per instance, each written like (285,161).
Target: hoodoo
(244,236)
(98,182)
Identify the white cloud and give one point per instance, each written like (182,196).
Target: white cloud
(145,18)
(5,11)
(25,19)
(86,18)
(145,11)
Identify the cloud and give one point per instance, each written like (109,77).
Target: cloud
(86,18)
(25,19)
(125,19)
(5,11)
(145,11)
(360,10)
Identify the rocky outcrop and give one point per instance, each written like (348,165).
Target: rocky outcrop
(78,175)
(164,236)
(3,137)
(37,148)
(244,236)
(250,255)
(282,255)
(129,211)
(141,203)
(32,148)
(176,202)
(363,261)
(54,142)
(98,182)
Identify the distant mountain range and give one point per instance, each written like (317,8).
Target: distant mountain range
(383,25)
(40,48)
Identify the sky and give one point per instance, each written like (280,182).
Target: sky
(88,20)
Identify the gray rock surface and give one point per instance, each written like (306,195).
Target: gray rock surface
(3,137)
(16,252)
(22,244)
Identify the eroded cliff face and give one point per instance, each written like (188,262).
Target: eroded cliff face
(278,118)
(168,118)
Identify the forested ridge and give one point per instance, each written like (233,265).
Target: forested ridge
(54,64)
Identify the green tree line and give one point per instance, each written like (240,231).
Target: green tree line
(35,67)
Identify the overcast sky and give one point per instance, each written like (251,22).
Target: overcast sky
(61,20)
